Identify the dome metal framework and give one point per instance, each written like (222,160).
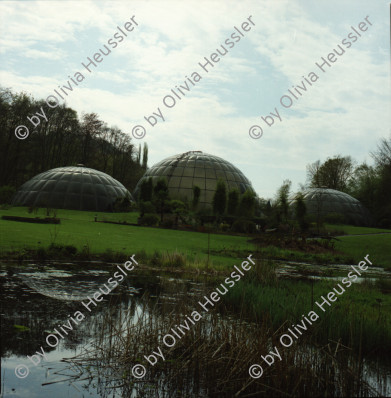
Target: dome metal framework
(196,168)
(325,201)
(74,188)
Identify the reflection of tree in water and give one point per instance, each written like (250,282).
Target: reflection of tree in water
(32,305)
(28,300)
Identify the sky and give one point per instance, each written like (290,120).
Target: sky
(344,110)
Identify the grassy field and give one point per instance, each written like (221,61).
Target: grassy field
(361,315)
(377,246)
(353,230)
(78,228)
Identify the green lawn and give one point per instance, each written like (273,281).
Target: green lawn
(77,228)
(352,230)
(377,246)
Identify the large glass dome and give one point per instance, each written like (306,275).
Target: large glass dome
(75,188)
(324,201)
(192,168)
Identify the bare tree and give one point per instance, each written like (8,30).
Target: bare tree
(383,154)
(334,173)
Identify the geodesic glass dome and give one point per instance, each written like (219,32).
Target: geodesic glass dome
(188,169)
(74,188)
(324,201)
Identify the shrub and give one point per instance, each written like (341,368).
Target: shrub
(146,207)
(224,227)
(123,204)
(70,250)
(141,255)
(85,252)
(156,258)
(175,259)
(167,223)
(149,220)
(244,226)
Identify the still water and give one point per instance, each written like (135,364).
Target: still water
(37,301)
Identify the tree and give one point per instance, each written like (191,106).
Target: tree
(364,185)
(196,196)
(91,128)
(383,154)
(283,198)
(220,198)
(64,139)
(334,173)
(233,202)
(178,208)
(313,174)
(146,189)
(160,196)
(247,204)
(382,159)
(145,156)
(301,211)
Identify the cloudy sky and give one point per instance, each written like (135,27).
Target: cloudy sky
(345,110)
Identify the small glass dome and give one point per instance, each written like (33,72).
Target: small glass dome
(188,169)
(325,201)
(74,188)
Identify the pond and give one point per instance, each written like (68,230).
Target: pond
(38,300)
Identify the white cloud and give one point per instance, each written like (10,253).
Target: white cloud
(345,112)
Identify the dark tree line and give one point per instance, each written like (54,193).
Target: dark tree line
(66,139)
(371,185)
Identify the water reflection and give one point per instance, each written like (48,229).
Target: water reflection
(42,298)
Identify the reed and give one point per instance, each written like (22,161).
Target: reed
(212,358)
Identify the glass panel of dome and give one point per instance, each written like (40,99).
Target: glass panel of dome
(174,182)
(43,199)
(209,196)
(66,176)
(186,193)
(210,184)
(87,178)
(37,185)
(231,186)
(199,172)
(88,202)
(220,174)
(49,185)
(230,176)
(61,186)
(178,172)
(57,199)
(88,189)
(186,183)
(29,197)
(74,187)
(200,182)
(210,173)
(72,201)
(110,190)
(188,172)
